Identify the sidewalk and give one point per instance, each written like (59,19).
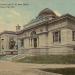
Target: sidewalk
(13,68)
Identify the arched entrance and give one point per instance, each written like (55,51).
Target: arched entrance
(35,42)
(34,39)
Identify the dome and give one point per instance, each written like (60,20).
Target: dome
(46,11)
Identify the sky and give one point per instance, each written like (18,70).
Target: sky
(29,9)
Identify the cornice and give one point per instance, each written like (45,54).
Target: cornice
(27,37)
(8,32)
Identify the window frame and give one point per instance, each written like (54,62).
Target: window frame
(58,36)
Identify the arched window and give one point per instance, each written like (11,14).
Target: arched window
(33,33)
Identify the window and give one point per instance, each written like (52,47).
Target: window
(57,36)
(22,42)
(73,35)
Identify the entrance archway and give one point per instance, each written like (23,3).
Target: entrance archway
(35,42)
(34,38)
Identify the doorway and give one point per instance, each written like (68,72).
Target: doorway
(35,42)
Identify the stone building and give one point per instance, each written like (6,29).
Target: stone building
(46,34)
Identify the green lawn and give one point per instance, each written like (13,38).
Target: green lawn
(49,59)
(64,71)
(1,56)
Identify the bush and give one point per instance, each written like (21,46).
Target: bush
(64,71)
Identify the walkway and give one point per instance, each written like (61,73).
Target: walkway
(13,68)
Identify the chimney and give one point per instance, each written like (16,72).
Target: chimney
(18,28)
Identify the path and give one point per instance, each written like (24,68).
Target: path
(13,68)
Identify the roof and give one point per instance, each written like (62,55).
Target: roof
(63,17)
(41,22)
(47,11)
(8,32)
(43,15)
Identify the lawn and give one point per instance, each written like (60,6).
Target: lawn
(64,71)
(49,59)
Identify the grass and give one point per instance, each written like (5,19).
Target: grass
(49,59)
(1,56)
(64,71)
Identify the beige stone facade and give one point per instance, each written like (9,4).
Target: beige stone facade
(47,34)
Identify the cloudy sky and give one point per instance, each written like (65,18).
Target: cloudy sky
(22,14)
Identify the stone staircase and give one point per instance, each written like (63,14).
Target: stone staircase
(24,53)
(13,57)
